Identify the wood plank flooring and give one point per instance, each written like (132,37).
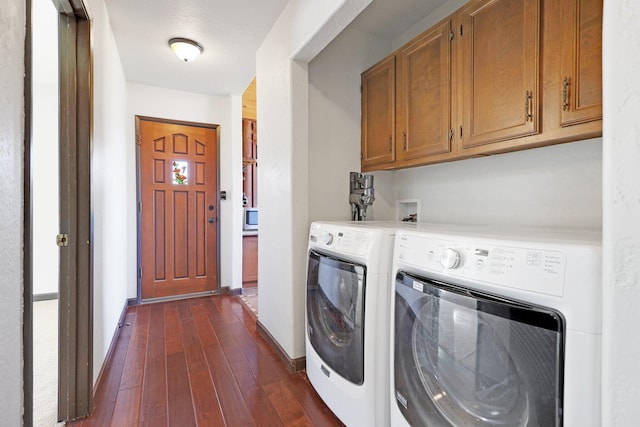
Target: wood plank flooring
(200,362)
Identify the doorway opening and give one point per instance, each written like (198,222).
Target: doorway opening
(45,204)
(249,295)
(58,229)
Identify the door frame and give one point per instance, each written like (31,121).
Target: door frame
(75,329)
(76,288)
(138,140)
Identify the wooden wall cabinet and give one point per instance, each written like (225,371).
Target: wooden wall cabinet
(581,67)
(250,162)
(378,113)
(499,40)
(495,76)
(424,93)
(406,103)
(249,261)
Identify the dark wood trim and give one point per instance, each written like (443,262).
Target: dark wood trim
(138,214)
(27,265)
(293,365)
(45,297)
(63,7)
(76,314)
(175,122)
(75,292)
(67,343)
(84,302)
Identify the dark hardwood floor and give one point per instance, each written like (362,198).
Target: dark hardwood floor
(200,362)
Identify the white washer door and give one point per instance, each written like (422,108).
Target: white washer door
(335,314)
(464,358)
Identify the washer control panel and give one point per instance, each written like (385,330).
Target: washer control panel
(521,267)
(340,239)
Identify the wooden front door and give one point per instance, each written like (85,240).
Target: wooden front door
(179,208)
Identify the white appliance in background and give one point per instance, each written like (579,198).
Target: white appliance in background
(347,319)
(496,329)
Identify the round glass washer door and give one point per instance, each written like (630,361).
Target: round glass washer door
(466,358)
(337,318)
(335,313)
(449,369)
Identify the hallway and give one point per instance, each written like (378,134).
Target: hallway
(200,362)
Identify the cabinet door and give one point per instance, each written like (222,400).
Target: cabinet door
(581,61)
(254,183)
(500,78)
(378,113)
(248,139)
(249,259)
(248,180)
(424,95)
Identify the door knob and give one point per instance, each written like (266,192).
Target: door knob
(211,220)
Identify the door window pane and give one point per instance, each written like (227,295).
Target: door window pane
(180,172)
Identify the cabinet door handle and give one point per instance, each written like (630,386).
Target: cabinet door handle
(404,140)
(565,94)
(389,143)
(528,107)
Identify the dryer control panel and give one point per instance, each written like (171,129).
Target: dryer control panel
(519,267)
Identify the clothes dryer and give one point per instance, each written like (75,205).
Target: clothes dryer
(495,327)
(347,319)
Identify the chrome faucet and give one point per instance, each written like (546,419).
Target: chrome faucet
(361,195)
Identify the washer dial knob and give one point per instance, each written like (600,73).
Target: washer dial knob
(450,258)
(327,238)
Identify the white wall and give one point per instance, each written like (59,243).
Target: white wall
(112,267)
(557,186)
(621,226)
(303,29)
(152,101)
(428,21)
(44,147)
(12,34)
(334,125)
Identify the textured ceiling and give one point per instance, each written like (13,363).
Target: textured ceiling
(391,18)
(230,32)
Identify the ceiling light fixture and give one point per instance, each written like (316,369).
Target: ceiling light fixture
(185,49)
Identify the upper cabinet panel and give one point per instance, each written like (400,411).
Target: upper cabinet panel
(495,76)
(378,113)
(423,107)
(581,61)
(500,79)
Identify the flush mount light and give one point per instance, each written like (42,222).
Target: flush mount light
(185,49)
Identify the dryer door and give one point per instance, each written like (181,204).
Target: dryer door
(335,314)
(463,358)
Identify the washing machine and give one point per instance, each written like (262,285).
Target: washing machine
(494,327)
(347,318)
